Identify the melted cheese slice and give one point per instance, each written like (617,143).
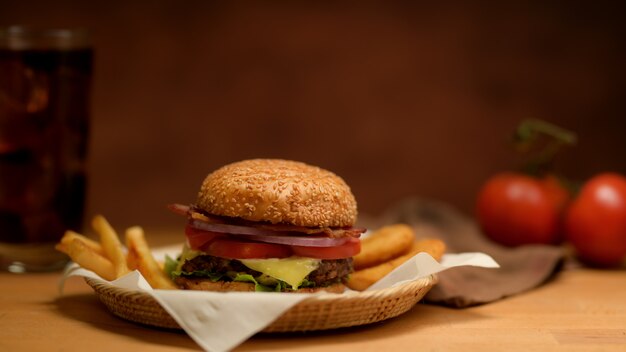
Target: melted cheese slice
(291,270)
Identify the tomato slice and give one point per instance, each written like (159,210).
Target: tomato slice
(236,249)
(349,249)
(219,245)
(199,238)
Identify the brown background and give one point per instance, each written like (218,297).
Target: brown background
(399,98)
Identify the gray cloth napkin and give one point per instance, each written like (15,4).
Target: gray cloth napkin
(522,268)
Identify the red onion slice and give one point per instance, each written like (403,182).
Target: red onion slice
(268,236)
(230,229)
(304,241)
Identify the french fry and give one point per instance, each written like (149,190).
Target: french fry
(132,260)
(70,235)
(88,258)
(111,245)
(362,279)
(140,255)
(384,244)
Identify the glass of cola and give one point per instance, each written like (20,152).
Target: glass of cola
(45,79)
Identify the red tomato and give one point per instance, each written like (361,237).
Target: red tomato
(595,223)
(555,191)
(236,249)
(198,238)
(515,209)
(349,249)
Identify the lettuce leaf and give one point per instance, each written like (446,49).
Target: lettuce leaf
(170,265)
(201,274)
(242,277)
(306,283)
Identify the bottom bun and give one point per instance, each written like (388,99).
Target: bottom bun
(230,286)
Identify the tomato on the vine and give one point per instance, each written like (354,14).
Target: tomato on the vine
(595,223)
(515,209)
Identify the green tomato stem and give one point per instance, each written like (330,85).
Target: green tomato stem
(529,128)
(529,133)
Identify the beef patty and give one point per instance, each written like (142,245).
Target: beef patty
(328,272)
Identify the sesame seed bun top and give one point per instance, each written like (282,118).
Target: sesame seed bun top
(278,191)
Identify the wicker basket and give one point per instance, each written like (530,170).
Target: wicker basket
(319,312)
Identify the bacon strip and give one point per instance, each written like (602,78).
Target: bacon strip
(332,232)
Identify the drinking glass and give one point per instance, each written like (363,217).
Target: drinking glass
(45,79)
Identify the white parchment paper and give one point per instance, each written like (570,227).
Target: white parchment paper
(220,321)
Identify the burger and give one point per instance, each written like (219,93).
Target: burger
(268,225)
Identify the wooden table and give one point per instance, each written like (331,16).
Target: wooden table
(580,309)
